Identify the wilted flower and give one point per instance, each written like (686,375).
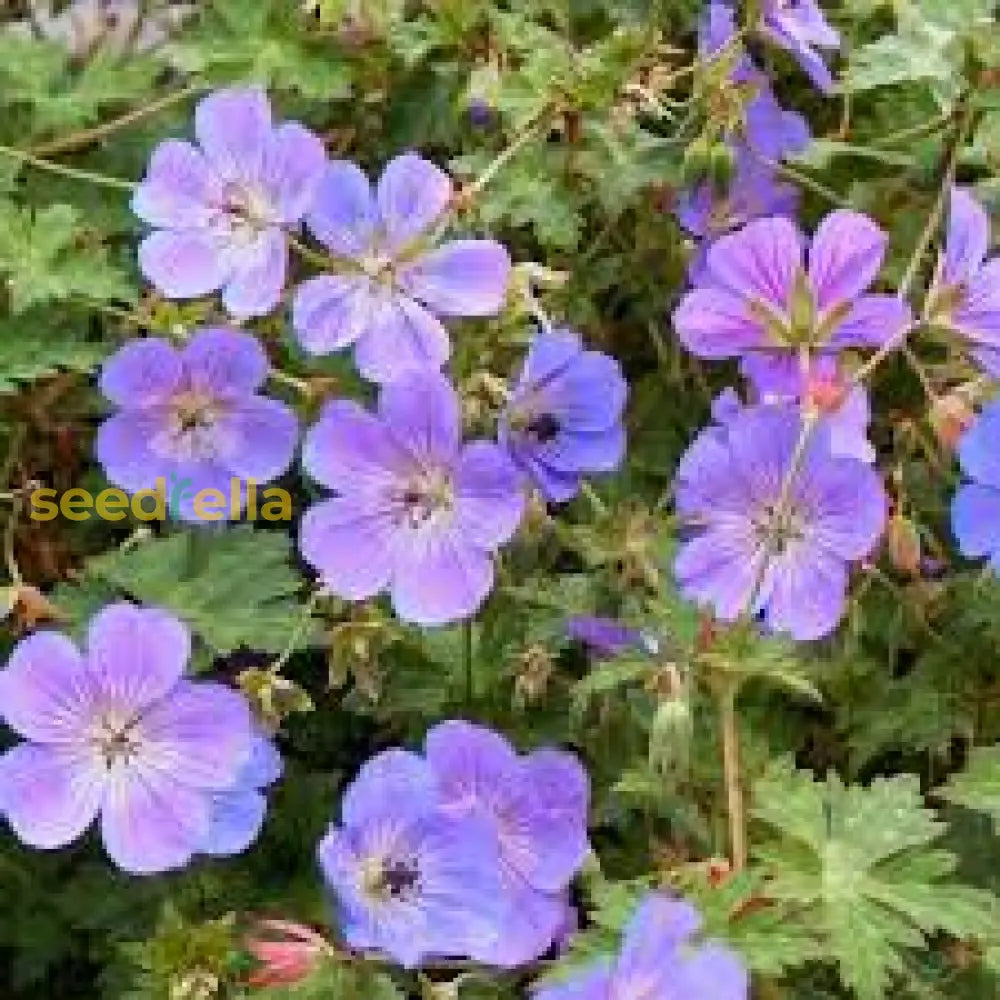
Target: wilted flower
(221,211)
(536,808)
(417,512)
(966,293)
(238,813)
(116,733)
(975,512)
(409,880)
(193,417)
(758,534)
(800,27)
(389,306)
(660,960)
(758,295)
(564,416)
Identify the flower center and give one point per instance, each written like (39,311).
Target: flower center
(427,493)
(190,432)
(392,878)
(244,211)
(778,527)
(116,740)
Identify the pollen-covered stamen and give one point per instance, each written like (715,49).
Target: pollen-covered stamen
(244,211)
(428,492)
(778,526)
(191,430)
(391,878)
(116,739)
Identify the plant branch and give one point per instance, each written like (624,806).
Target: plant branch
(87,176)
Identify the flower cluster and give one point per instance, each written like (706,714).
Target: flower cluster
(464,852)
(170,768)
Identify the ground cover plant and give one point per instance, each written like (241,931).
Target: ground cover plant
(499,500)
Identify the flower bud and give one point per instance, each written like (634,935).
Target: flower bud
(670,737)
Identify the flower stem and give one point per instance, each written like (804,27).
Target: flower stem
(470,687)
(87,176)
(731,772)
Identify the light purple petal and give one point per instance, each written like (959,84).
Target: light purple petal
(593,983)
(331,312)
(351,546)
(489,503)
(123,449)
(184,264)
(350,450)
(141,373)
(50,794)
(200,734)
(343,216)
(150,822)
(136,655)
(759,263)
(411,195)
(659,926)
(423,415)
(178,190)
(873,320)
(550,353)
(848,505)
(845,257)
(261,434)
(294,162)
(979,449)
(224,362)
(233,127)
(714,324)
(235,822)
(978,314)
(461,278)
(257,277)
(186,479)
(804,592)
(439,578)
(713,972)
(393,784)
(402,338)
(530,922)
(975,519)
(720,568)
(968,237)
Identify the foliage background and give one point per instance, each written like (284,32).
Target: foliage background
(870,761)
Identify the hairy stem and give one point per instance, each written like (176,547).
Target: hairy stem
(731,772)
(87,176)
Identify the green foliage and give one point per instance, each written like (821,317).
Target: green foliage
(978,786)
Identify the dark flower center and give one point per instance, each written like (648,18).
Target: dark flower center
(778,527)
(424,495)
(392,878)
(544,427)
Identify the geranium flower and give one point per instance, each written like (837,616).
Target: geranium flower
(238,813)
(975,512)
(417,512)
(536,807)
(192,416)
(758,294)
(965,296)
(221,209)
(564,416)
(754,545)
(409,880)
(800,27)
(389,306)
(115,733)
(659,959)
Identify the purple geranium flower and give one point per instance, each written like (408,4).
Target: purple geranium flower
(966,293)
(757,295)
(536,806)
(116,733)
(220,211)
(417,512)
(564,417)
(608,636)
(409,880)
(975,512)
(823,388)
(192,417)
(238,813)
(751,539)
(389,306)
(660,960)
(800,27)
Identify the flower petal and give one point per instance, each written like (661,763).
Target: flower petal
(489,503)
(715,324)
(233,127)
(848,504)
(46,694)
(343,216)
(759,262)
(873,320)
(257,277)
(975,519)
(351,546)
(978,450)
(411,195)
(142,373)
(711,971)
(968,237)
(294,162)
(720,568)
(402,338)
(804,592)
(184,264)
(461,278)
(261,434)
(331,312)
(845,257)
(235,822)
(423,414)
(136,655)
(223,362)
(123,449)
(178,190)
(49,794)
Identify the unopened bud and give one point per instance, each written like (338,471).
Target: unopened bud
(670,737)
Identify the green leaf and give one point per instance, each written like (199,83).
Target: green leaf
(858,862)
(978,786)
(922,52)
(35,344)
(337,981)
(203,578)
(48,257)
